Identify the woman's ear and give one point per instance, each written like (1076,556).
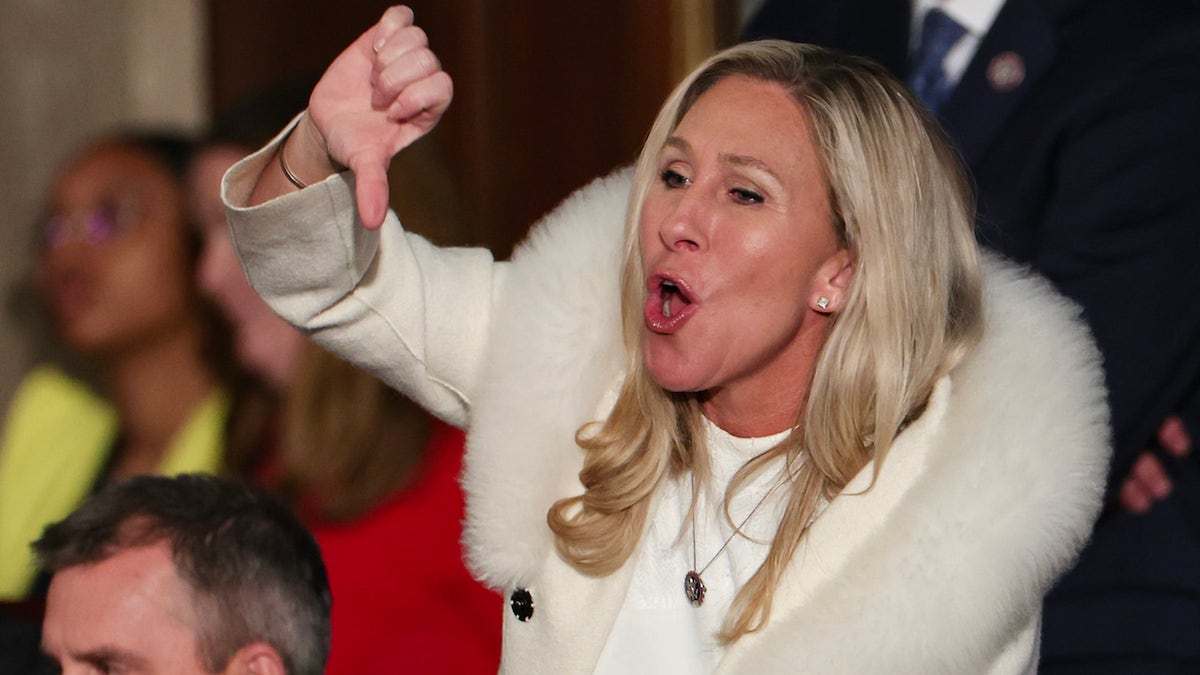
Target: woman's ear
(832,280)
(258,658)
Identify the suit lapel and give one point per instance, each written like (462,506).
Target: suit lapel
(878,29)
(1015,53)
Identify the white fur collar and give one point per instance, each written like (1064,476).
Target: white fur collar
(556,353)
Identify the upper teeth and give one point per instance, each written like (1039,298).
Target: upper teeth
(668,287)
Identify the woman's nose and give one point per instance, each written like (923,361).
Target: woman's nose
(67,256)
(685,227)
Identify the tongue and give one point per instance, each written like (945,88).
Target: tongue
(672,301)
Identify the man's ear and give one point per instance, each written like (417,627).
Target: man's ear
(831,282)
(258,658)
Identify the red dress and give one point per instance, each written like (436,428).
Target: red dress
(402,600)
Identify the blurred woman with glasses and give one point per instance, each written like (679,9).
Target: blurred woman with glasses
(142,393)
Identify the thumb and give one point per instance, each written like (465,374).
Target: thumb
(371,189)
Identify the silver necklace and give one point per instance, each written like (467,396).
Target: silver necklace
(693,584)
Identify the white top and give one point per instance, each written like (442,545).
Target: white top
(974,15)
(657,630)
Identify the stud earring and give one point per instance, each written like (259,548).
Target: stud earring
(823,302)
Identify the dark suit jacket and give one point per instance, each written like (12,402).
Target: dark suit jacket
(1089,170)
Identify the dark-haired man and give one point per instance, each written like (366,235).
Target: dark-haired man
(191,574)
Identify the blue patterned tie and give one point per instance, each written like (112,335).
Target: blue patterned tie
(928,80)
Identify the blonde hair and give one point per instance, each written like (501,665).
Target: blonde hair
(902,207)
(349,440)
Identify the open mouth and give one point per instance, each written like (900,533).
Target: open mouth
(669,303)
(672,297)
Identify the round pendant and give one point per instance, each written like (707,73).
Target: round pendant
(693,588)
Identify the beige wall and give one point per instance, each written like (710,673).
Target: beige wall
(70,69)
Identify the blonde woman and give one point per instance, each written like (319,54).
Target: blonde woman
(756,407)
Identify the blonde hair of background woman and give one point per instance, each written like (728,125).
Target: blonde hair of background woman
(903,207)
(349,440)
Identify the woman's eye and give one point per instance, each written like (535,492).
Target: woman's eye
(744,196)
(672,178)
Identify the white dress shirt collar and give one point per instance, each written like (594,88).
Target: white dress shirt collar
(974,15)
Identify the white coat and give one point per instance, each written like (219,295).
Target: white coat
(940,568)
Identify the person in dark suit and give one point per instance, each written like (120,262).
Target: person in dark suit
(1080,121)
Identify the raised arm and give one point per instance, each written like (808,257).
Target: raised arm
(416,315)
(381,94)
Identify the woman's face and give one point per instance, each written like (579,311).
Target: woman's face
(737,246)
(114,261)
(266,344)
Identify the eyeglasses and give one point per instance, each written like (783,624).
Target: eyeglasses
(94,226)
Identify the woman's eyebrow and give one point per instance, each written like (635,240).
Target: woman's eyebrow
(748,161)
(732,159)
(677,143)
